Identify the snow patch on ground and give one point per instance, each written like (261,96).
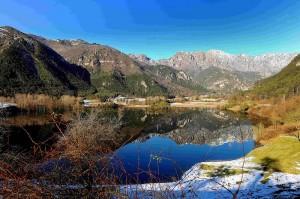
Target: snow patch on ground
(196,183)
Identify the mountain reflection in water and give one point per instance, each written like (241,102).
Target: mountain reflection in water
(150,146)
(172,144)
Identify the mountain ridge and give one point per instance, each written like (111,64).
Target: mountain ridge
(223,72)
(284,83)
(114,72)
(28,66)
(272,62)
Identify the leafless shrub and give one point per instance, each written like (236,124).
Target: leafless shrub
(87,135)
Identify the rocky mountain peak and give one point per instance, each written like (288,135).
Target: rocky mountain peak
(218,70)
(73,42)
(93,57)
(11,33)
(142,58)
(217,52)
(266,64)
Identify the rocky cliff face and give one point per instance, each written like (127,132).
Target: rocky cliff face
(223,72)
(94,57)
(265,65)
(223,80)
(113,72)
(177,82)
(143,59)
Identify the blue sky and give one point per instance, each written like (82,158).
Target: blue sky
(159,28)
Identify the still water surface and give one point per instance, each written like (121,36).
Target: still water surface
(173,144)
(152,146)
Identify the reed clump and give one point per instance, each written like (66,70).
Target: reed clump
(86,135)
(282,114)
(34,102)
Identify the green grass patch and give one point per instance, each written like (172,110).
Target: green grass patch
(221,171)
(159,105)
(266,177)
(207,167)
(279,154)
(265,180)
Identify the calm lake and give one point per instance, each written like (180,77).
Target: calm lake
(150,146)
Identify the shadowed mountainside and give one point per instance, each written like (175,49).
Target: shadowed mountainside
(28,66)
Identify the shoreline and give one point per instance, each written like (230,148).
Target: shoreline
(259,174)
(198,181)
(192,104)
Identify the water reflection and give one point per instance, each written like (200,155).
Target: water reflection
(173,143)
(147,146)
(161,159)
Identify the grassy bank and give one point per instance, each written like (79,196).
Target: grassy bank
(277,129)
(33,102)
(273,116)
(281,154)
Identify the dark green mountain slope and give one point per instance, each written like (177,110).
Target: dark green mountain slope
(286,82)
(28,66)
(115,82)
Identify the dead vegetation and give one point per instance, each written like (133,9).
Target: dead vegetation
(78,166)
(277,115)
(33,102)
(87,135)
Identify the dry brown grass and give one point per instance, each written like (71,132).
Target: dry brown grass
(40,101)
(87,135)
(283,114)
(24,189)
(85,143)
(264,134)
(277,109)
(14,182)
